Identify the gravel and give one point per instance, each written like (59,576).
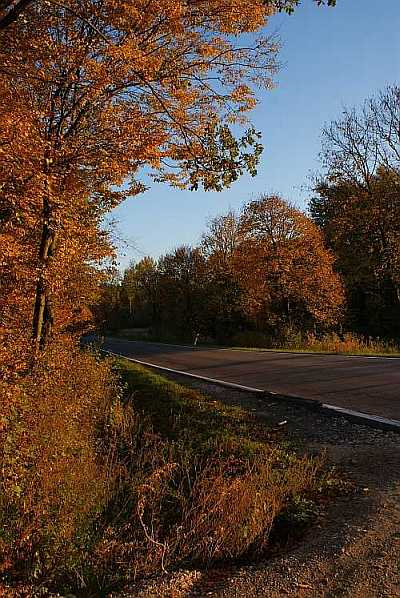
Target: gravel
(352,551)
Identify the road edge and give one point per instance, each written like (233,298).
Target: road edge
(357,417)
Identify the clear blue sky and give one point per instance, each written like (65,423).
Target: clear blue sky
(332,58)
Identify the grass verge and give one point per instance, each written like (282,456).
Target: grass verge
(243,481)
(327,344)
(103,485)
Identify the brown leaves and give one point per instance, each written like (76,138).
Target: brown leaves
(284,265)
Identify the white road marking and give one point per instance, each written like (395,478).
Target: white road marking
(365,416)
(372,420)
(204,378)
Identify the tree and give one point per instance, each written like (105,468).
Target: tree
(140,290)
(221,239)
(363,140)
(362,226)
(11,10)
(102,89)
(224,297)
(357,207)
(182,289)
(285,269)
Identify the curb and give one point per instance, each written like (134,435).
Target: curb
(356,417)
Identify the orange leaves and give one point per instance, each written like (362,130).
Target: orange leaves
(100,90)
(282,261)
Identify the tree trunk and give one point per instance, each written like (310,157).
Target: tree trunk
(42,323)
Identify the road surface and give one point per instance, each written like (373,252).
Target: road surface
(365,384)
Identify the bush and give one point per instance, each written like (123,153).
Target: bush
(351,343)
(252,339)
(99,489)
(54,483)
(347,343)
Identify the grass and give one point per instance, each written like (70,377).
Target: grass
(107,484)
(327,344)
(258,455)
(178,412)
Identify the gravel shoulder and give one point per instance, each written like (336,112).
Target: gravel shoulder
(352,551)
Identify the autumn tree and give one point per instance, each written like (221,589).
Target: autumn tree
(182,290)
(285,268)
(224,299)
(139,292)
(357,206)
(267,268)
(102,89)
(221,240)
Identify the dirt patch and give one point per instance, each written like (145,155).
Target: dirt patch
(352,551)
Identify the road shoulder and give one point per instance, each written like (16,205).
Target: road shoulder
(354,548)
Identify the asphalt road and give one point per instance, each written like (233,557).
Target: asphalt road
(369,385)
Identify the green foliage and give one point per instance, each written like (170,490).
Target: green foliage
(361,224)
(289,6)
(225,159)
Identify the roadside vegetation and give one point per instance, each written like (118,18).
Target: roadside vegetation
(139,474)
(274,276)
(344,344)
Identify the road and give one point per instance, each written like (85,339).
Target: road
(368,385)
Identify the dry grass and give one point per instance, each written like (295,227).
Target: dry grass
(100,488)
(53,481)
(226,480)
(347,344)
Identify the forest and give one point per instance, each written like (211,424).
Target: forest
(275,276)
(110,473)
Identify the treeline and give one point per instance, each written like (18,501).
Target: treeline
(265,269)
(274,270)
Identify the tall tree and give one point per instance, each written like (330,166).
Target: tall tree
(362,227)
(182,289)
(285,268)
(357,205)
(224,297)
(102,89)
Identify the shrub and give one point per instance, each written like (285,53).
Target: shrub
(53,481)
(251,339)
(351,343)
(98,489)
(348,343)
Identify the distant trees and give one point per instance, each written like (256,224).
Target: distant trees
(357,206)
(274,269)
(266,269)
(285,269)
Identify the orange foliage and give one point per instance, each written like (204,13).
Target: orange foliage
(90,92)
(54,476)
(282,260)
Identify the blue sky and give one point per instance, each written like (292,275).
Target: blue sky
(332,58)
